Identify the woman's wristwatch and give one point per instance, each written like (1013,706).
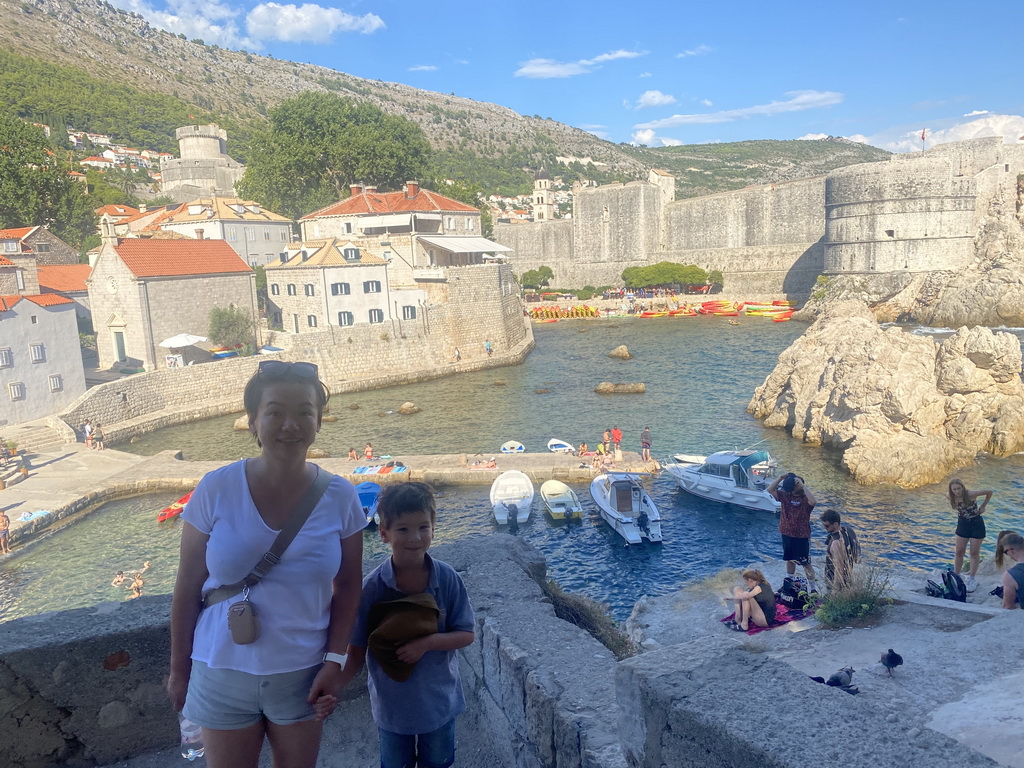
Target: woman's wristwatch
(337,658)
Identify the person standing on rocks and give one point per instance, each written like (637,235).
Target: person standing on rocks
(645,445)
(970,526)
(795,523)
(842,550)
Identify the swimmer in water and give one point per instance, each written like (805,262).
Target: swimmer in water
(118,579)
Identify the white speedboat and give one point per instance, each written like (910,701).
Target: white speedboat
(731,477)
(369,496)
(513,446)
(511,497)
(626,506)
(561,500)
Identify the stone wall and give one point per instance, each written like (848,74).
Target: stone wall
(759,272)
(54,251)
(541,244)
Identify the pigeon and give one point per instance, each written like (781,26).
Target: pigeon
(890,660)
(817,679)
(841,678)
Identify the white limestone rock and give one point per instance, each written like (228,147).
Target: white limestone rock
(621,352)
(242,423)
(408,408)
(904,409)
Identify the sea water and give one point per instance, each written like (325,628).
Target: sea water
(700,374)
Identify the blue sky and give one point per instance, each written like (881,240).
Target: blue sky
(664,72)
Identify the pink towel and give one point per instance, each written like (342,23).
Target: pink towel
(782,616)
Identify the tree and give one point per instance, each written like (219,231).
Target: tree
(35,188)
(536,278)
(261,287)
(230,326)
(316,144)
(715,277)
(664,273)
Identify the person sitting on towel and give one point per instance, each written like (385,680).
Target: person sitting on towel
(754,605)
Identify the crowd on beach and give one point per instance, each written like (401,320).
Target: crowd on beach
(608,449)
(756,602)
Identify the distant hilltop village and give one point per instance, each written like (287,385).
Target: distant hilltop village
(912,213)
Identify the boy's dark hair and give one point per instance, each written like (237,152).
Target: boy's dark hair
(401,498)
(830,516)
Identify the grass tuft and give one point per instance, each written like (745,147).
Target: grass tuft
(591,616)
(867,594)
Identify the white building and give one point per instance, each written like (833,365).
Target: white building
(254,233)
(41,369)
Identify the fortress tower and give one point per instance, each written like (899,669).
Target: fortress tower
(204,169)
(543,201)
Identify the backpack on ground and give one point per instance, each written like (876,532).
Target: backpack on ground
(934,590)
(954,587)
(794,594)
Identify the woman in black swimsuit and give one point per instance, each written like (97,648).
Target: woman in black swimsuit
(970,526)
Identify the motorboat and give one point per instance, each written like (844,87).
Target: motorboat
(626,506)
(511,497)
(561,500)
(513,446)
(731,477)
(369,496)
(560,446)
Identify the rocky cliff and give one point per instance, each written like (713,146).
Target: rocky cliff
(903,409)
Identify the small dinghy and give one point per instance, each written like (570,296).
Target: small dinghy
(560,446)
(561,500)
(174,509)
(513,446)
(626,506)
(511,497)
(369,496)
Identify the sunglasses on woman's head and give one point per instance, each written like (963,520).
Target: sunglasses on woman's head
(281,369)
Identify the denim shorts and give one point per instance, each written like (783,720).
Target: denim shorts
(228,700)
(425,750)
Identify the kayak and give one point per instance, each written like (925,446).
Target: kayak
(174,509)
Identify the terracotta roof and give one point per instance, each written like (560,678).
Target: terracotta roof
(6,262)
(6,302)
(324,253)
(423,201)
(15,234)
(220,208)
(116,210)
(64,278)
(159,218)
(166,258)
(49,299)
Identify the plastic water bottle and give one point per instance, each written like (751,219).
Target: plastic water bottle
(191,739)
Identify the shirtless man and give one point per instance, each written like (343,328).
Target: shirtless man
(5,534)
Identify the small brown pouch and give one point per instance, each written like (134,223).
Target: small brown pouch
(243,621)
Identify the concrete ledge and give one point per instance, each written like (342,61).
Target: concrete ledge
(738,710)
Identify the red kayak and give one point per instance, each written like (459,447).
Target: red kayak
(174,509)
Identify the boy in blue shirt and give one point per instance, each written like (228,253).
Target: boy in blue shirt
(415,686)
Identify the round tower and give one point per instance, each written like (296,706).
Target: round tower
(201,142)
(543,200)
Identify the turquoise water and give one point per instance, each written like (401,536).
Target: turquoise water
(699,373)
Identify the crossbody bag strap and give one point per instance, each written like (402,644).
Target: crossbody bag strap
(291,529)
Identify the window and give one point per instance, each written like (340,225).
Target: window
(11,246)
(291,289)
(451,222)
(340,289)
(408,312)
(41,247)
(56,383)
(6,358)
(469,225)
(33,319)
(266,234)
(345,318)
(284,235)
(376,315)
(16,390)
(311,321)
(350,254)
(20,277)
(371,286)
(37,352)
(232,233)
(250,233)
(309,289)
(275,289)
(277,318)
(348,227)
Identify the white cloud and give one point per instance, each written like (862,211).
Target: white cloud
(798,100)
(706,102)
(700,50)
(812,137)
(218,22)
(654,99)
(423,68)
(860,138)
(542,69)
(972,113)
(597,130)
(1009,127)
(649,138)
(306,23)
(644,74)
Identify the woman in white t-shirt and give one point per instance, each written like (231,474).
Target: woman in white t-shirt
(282,685)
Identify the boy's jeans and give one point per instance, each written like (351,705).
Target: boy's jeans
(433,750)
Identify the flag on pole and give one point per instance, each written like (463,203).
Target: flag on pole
(922,133)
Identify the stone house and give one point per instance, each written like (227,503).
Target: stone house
(145,290)
(417,231)
(255,234)
(333,282)
(117,213)
(41,369)
(67,280)
(37,243)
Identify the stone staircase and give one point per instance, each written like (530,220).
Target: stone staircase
(33,437)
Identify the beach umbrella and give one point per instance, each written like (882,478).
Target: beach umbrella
(181,340)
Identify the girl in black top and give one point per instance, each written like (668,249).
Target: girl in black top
(970,525)
(754,605)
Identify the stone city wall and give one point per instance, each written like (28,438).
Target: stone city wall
(541,244)
(619,223)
